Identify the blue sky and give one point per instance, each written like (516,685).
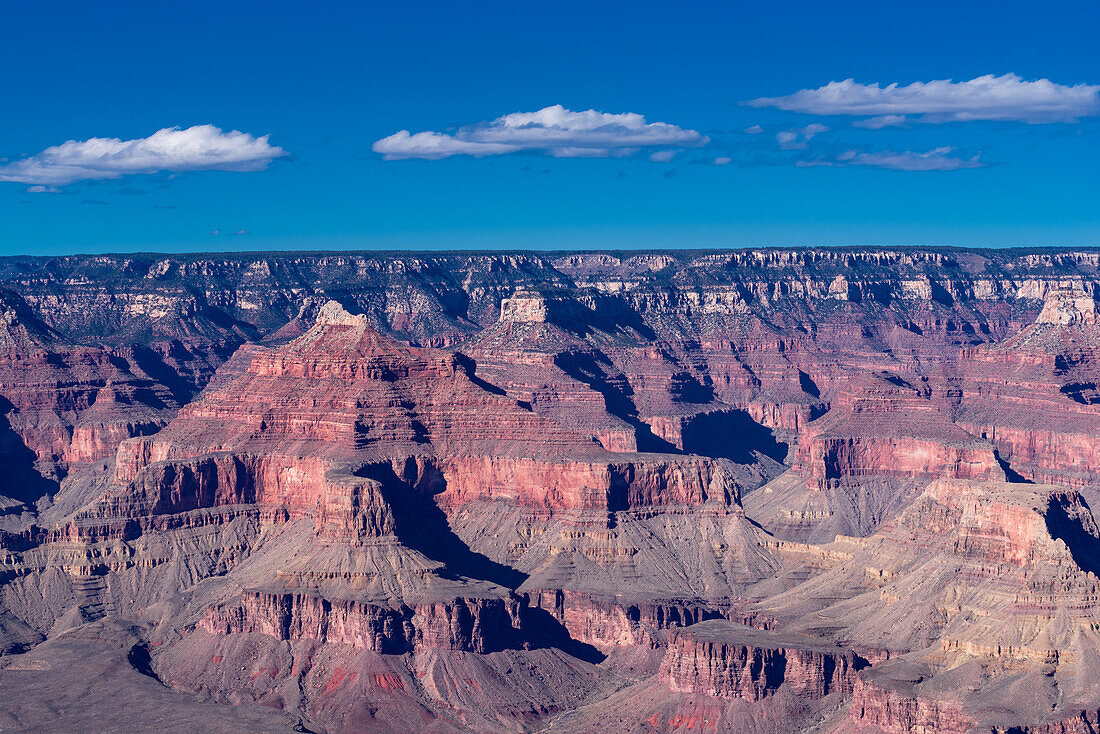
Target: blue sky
(1013,159)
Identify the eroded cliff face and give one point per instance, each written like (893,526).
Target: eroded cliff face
(831,490)
(473,625)
(726,660)
(882,709)
(975,581)
(884,426)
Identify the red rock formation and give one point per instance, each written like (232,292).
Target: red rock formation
(66,406)
(471,624)
(292,427)
(889,428)
(727,660)
(612,623)
(1083,722)
(1031,395)
(342,428)
(895,713)
(975,579)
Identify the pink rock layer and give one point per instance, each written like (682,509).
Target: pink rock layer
(469,624)
(725,660)
(609,623)
(891,712)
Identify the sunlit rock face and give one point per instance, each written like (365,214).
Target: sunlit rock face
(763,490)
(1067,308)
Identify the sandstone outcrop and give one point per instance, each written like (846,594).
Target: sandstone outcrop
(882,709)
(1067,307)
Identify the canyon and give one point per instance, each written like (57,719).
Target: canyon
(776,490)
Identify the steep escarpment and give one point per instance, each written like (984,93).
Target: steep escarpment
(877,708)
(429,295)
(884,426)
(343,399)
(475,625)
(882,441)
(726,660)
(723,676)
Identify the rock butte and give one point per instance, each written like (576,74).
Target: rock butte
(832,490)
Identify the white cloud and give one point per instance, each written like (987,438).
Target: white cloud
(591,152)
(789,139)
(754,130)
(43,190)
(663,156)
(556,130)
(1006,97)
(723,160)
(877,123)
(799,139)
(433,146)
(203,147)
(939,159)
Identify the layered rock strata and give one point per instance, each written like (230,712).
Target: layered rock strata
(726,660)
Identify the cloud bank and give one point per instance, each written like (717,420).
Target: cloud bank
(555,130)
(198,148)
(989,97)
